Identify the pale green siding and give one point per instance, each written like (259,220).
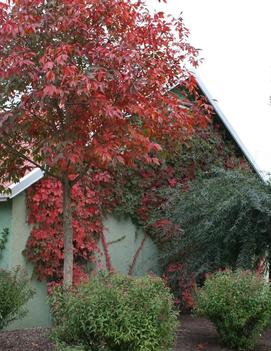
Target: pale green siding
(5,222)
(128,239)
(38,308)
(13,214)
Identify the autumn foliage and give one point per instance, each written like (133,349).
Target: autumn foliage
(137,192)
(84,85)
(44,247)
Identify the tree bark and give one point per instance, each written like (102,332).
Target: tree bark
(68,233)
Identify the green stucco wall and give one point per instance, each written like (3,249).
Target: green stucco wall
(13,215)
(128,239)
(5,222)
(38,308)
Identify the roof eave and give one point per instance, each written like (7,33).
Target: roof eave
(229,127)
(24,183)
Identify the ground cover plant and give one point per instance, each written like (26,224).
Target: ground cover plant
(14,293)
(238,304)
(116,312)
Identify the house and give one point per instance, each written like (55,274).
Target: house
(13,216)
(232,133)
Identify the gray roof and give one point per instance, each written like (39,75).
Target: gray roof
(231,130)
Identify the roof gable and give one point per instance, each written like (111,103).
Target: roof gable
(36,174)
(24,183)
(230,129)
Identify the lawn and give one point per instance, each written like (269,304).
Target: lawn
(194,334)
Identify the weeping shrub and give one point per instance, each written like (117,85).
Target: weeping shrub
(14,293)
(115,313)
(238,304)
(223,221)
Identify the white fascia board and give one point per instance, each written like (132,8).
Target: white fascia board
(231,130)
(24,183)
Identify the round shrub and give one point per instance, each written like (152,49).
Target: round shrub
(238,304)
(116,313)
(14,293)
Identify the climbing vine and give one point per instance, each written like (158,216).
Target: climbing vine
(45,245)
(3,238)
(145,189)
(140,190)
(135,192)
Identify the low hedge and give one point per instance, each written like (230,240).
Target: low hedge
(238,304)
(116,313)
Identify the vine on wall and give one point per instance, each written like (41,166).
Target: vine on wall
(44,247)
(135,192)
(140,190)
(3,239)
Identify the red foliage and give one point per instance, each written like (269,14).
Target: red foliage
(106,191)
(184,284)
(45,245)
(93,80)
(86,86)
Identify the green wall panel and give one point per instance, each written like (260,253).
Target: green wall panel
(13,214)
(38,307)
(127,240)
(5,222)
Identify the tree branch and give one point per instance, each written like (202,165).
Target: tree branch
(81,175)
(26,158)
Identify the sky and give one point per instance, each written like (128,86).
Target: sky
(235,41)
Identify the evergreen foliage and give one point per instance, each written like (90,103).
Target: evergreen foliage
(223,221)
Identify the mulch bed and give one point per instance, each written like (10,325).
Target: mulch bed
(193,335)
(35,339)
(197,334)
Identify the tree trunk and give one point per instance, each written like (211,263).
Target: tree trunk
(68,233)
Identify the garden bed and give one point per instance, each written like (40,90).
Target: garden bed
(193,335)
(35,339)
(197,334)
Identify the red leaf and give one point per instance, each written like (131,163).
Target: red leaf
(50,76)
(48,65)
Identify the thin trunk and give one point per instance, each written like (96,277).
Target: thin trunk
(68,233)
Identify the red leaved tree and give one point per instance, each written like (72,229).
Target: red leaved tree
(85,84)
